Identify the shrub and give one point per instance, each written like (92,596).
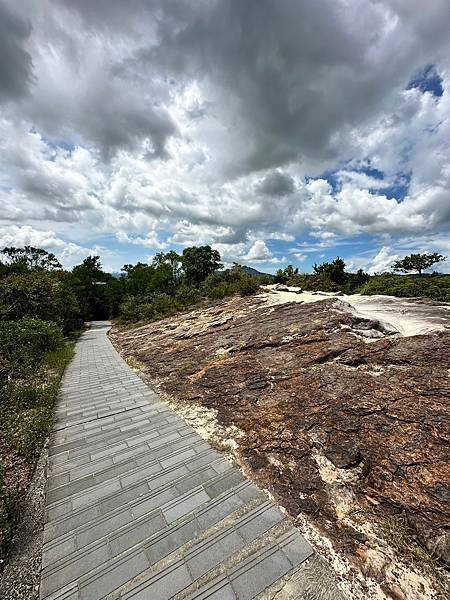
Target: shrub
(246,285)
(40,295)
(24,343)
(152,306)
(187,295)
(147,308)
(130,309)
(435,287)
(315,283)
(164,305)
(220,285)
(219,291)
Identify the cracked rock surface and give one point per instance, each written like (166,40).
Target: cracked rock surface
(323,409)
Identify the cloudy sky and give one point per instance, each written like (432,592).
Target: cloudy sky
(280,132)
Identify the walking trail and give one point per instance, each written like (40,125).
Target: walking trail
(139,506)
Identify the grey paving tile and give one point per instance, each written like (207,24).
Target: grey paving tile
(63,572)
(103,527)
(51,553)
(295,547)
(169,541)
(185,506)
(259,521)
(96,493)
(163,586)
(139,532)
(218,589)
(105,581)
(258,572)
(214,552)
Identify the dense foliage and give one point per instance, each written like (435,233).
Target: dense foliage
(327,277)
(174,282)
(37,306)
(42,295)
(436,287)
(24,343)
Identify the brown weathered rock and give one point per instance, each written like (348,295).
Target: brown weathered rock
(300,379)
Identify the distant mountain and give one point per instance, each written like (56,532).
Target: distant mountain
(255,272)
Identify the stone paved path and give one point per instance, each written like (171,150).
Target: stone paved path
(139,506)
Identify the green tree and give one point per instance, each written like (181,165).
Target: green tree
(280,277)
(28,258)
(236,270)
(335,271)
(168,266)
(137,278)
(418,262)
(287,275)
(89,282)
(199,262)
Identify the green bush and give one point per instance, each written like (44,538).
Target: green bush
(314,283)
(230,283)
(153,306)
(130,309)
(247,285)
(435,287)
(148,308)
(219,291)
(26,417)
(187,295)
(41,295)
(164,305)
(23,344)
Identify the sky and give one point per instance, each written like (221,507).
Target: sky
(279,132)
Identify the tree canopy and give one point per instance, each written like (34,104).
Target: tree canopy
(335,271)
(199,262)
(418,262)
(28,258)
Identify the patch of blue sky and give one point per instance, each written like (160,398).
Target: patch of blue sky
(427,80)
(329,176)
(63,144)
(398,190)
(333,177)
(54,143)
(130,251)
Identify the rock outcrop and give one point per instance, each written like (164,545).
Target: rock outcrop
(325,409)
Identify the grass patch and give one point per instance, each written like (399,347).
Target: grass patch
(397,532)
(26,416)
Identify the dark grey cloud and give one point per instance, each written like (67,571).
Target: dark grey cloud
(80,92)
(296,75)
(276,184)
(15,61)
(124,122)
(288,80)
